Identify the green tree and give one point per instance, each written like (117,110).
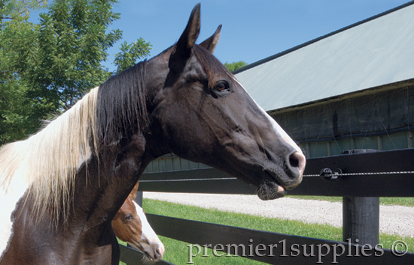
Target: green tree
(73,42)
(234,66)
(46,68)
(18,9)
(131,53)
(17,45)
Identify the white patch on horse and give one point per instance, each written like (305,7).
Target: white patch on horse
(9,198)
(84,157)
(147,231)
(276,127)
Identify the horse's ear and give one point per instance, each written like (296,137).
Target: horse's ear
(211,43)
(188,38)
(190,34)
(133,192)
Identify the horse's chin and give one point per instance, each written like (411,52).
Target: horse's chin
(270,190)
(152,252)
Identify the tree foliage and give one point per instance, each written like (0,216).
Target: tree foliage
(73,42)
(45,68)
(17,49)
(130,53)
(18,9)
(234,66)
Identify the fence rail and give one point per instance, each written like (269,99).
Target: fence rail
(130,256)
(369,179)
(284,249)
(379,174)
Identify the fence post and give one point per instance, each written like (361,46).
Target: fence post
(361,220)
(360,216)
(138,199)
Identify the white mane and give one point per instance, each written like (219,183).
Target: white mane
(49,159)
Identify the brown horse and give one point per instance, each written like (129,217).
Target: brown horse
(61,188)
(131,225)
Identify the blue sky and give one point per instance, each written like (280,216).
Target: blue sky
(252,29)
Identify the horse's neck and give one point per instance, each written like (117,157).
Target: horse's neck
(64,244)
(103,184)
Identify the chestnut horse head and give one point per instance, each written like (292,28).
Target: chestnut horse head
(131,225)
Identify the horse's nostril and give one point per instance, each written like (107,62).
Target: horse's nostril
(297,160)
(293,161)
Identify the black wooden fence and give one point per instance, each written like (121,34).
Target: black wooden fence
(358,177)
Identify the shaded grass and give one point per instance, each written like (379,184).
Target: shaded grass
(241,220)
(177,252)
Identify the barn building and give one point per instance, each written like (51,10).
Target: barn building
(350,89)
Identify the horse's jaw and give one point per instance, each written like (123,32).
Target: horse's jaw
(152,251)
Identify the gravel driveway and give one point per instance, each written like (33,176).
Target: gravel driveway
(393,219)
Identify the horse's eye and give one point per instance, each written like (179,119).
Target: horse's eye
(221,86)
(129,217)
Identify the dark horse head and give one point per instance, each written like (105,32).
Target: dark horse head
(62,187)
(202,113)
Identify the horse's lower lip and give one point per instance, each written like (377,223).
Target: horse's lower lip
(281,189)
(269,188)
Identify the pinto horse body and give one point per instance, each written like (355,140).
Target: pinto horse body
(61,187)
(131,225)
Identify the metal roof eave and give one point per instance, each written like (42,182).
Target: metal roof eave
(367,91)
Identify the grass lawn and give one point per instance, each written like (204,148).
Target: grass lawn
(177,251)
(403,201)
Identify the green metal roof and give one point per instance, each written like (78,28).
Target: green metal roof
(370,53)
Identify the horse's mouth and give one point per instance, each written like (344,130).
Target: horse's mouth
(151,253)
(270,189)
(277,179)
